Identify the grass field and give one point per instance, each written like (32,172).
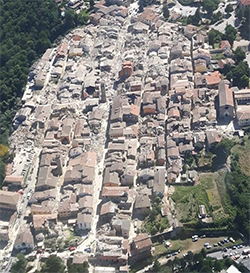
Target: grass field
(244,156)
(188,199)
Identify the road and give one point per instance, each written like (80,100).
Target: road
(230,252)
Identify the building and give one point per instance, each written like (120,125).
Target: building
(243,115)
(8,202)
(142,205)
(140,248)
(24,240)
(213,80)
(83,221)
(226,101)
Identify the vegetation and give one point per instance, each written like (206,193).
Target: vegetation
(155,222)
(20,265)
(77,268)
(215,36)
(28,29)
(188,199)
(53,264)
(221,150)
(145,3)
(229,8)
(238,184)
(243,16)
(239,74)
(239,55)
(165,11)
(210,5)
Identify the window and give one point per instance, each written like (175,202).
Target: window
(226,107)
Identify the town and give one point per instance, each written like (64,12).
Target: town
(111,121)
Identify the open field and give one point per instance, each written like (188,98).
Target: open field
(206,192)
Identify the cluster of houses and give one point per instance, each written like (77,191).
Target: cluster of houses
(156,84)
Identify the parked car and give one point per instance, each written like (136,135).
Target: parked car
(215,245)
(174,253)
(88,249)
(72,248)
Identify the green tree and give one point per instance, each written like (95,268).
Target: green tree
(218,266)
(91,3)
(209,6)
(165,11)
(230,34)
(156,267)
(20,265)
(239,55)
(197,17)
(239,75)
(214,36)
(229,8)
(53,264)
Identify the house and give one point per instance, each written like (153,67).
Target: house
(243,115)
(189,31)
(139,27)
(213,80)
(24,240)
(16,181)
(173,153)
(242,44)
(46,207)
(140,248)
(226,101)
(86,203)
(127,179)
(161,157)
(79,258)
(83,221)
(159,181)
(201,53)
(225,45)
(115,194)
(122,227)
(200,65)
(108,210)
(68,209)
(111,179)
(126,70)
(227,61)
(149,17)
(213,137)
(142,204)
(145,175)
(8,202)
(110,256)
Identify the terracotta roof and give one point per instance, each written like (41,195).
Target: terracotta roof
(245,2)
(115,191)
(108,207)
(213,78)
(225,44)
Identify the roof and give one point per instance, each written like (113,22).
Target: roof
(245,2)
(79,258)
(7,197)
(115,191)
(159,180)
(225,95)
(108,207)
(213,78)
(232,268)
(142,201)
(225,44)
(243,112)
(84,218)
(142,241)
(24,236)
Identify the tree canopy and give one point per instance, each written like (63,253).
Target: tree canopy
(53,264)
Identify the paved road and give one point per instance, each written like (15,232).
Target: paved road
(230,252)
